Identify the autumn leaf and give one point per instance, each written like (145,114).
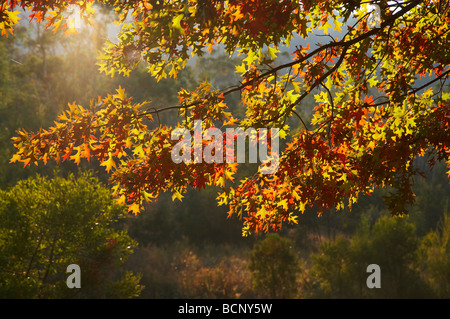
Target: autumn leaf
(9,19)
(134,208)
(16,157)
(109,163)
(177,195)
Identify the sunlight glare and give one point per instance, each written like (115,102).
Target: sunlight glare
(74,17)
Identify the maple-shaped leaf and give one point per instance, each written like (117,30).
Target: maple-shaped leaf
(9,19)
(134,208)
(177,195)
(16,157)
(109,163)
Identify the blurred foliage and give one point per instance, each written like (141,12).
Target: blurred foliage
(225,279)
(274,267)
(434,255)
(339,266)
(48,224)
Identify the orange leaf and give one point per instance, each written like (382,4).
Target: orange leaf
(134,208)
(15,158)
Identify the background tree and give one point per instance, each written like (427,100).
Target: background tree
(435,258)
(330,268)
(274,267)
(225,279)
(395,237)
(339,267)
(48,224)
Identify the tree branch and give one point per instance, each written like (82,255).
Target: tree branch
(342,43)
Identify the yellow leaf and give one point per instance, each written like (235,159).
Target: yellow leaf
(177,195)
(302,207)
(139,151)
(12,18)
(273,52)
(134,208)
(70,30)
(292,219)
(325,26)
(63,117)
(15,158)
(338,25)
(262,212)
(229,175)
(241,69)
(120,200)
(89,9)
(56,25)
(77,156)
(220,181)
(297,87)
(176,23)
(109,163)
(120,93)
(222,199)
(296,196)
(210,47)
(283,204)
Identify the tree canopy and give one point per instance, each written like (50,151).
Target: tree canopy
(44,228)
(380,90)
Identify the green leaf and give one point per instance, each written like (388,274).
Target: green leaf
(176,23)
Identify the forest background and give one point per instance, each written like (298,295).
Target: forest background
(189,249)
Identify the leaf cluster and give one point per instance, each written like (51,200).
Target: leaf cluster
(381,100)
